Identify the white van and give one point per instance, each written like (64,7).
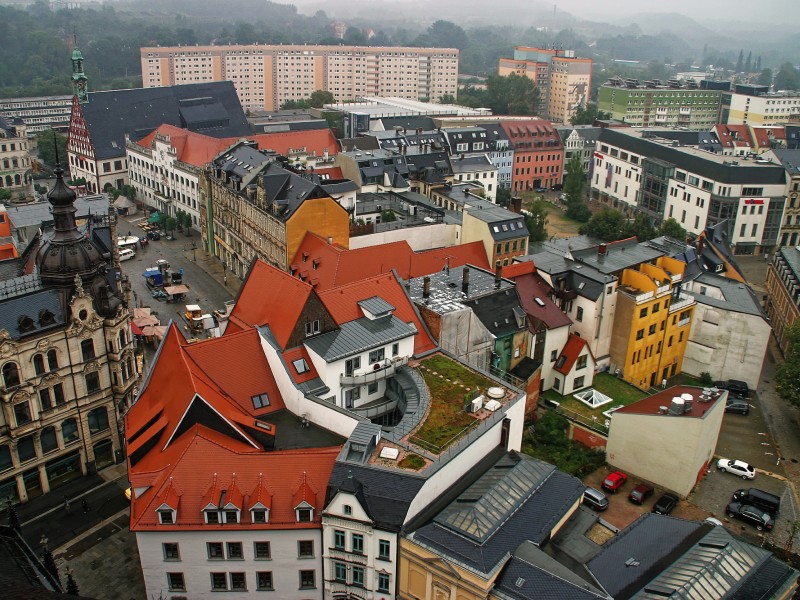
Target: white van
(126,254)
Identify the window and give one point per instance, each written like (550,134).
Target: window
(258,515)
(52,359)
(171,551)
(22,413)
(238,582)
(305,549)
(38,364)
(312,327)
(165,517)
(87,349)
(308,580)
(652,329)
(262,550)
(376,356)
(10,375)
(372,388)
(260,401)
(235,551)
(358,576)
(212,516)
(358,543)
(578,383)
(640,334)
(553,355)
(348,510)
(340,572)
(231,516)
(643,312)
(303,515)
(300,366)
(26,449)
(215,550)
(579,314)
(351,365)
(581,364)
(395,349)
(219,581)
(264,580)
(384,549)
(656,307)
(383,582)
(175,582)
(92,382)
(98,419)
(338,539)
(48,440)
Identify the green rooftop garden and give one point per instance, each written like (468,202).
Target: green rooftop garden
(621,393)
(449,383)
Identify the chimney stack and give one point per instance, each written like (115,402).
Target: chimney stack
(497,278)
(601,250)
(465,280)
(426,287)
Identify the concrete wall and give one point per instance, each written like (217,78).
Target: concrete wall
(197,567)
(427,237)
(727,344)
(666,450)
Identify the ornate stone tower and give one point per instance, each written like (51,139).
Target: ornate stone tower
(80,83)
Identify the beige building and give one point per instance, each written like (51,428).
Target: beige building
(666,438)
(15,164)
(266,77)
(783,293)
(767,109)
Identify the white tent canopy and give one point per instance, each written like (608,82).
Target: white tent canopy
(592,398)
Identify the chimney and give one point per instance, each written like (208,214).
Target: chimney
(497,278)
(426,287)
(601,250)
(465,280)
(516,204)
(330,240)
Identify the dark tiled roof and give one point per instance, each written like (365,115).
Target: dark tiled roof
(620,255)
(210,108)
(289,190)
(496,311)
(33,305)
(387,494)
(358,336)
(411,124)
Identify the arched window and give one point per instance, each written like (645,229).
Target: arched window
(48,440)
(10,374)
(38,364)
(122,339)
(98,419)
(52,359)
(69,431)
(87,349)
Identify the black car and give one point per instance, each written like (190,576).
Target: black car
(665,504)
(740,388)
(750,514)
(734,404)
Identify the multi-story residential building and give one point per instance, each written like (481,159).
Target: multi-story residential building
(478,169)
(39,113)
(68,369)
(755,105)
(538,154)
(503,232)
(500,153)
(252,207)
(790,223)
(639,170)
(165,167)
(563,79)
(15,162)
(580,140)
(783,293)
(652,322)
(267,76)
(653,104)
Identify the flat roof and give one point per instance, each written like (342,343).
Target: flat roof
(652,405)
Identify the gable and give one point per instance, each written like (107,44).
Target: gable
(199,412)
(336,507)
(313,310)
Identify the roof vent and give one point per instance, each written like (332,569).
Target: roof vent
(632,562)
(519,582)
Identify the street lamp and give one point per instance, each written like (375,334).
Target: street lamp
(194,250)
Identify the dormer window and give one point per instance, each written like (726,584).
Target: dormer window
(300,366)
(312,327)
(212,515)
(231,516)
(259,515)
(305,514)
(166,516)
(261,401)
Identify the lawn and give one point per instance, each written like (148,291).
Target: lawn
(449,383)
(558,223)
(621,392)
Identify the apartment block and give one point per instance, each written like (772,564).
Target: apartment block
(790,224)
(15,163)
(756,106)
(651,103)
(783,293)
(266,77)
(563,79)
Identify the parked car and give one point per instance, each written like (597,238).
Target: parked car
(640,493)
(665,504)
(126,254)
(735,404)
(758,498)
(734,385)
(750,514)
(539,190)
(713,521)
(737,467)
(614,481)
(595,499)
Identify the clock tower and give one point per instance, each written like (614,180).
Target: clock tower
(79,80)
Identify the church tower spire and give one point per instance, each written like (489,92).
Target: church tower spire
(80,87)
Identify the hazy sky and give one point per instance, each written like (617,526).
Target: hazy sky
(778,11)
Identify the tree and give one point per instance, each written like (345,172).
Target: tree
(47,151)
(748,64)
(387,216)
(536,222)
(503,197)
(512,95)
(574,182)
(443,34)
(5,194)
(787,382)
(588,115)
(765,77)
(671,228)
(787,78)
(607,225)
(170,224)
(321,97)
(447,99)
(642,228)
(740,62)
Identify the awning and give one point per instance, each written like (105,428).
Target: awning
(135,330)
(176,289)
(145,320)
(154,218)
(154,330)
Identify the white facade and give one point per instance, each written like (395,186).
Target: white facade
(435,235)
(553,345)
(770,109)
(194,562)
(486,177)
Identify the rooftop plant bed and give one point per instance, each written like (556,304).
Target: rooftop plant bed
(449,383)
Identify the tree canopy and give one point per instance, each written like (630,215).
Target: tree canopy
(588,115)
(536,222)
(671,228)
(574,183)
(788,376)
(787,78)
(47,151)
(607,225)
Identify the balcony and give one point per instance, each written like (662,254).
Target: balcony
(375,372)
(682,302)
(342,554)
(376,408)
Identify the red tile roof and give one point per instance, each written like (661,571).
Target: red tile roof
(337,266)
(342,303)
(572,350)
(652,404)
(293,354)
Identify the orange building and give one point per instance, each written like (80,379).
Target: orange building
(652,322)
(538,154)
(7,247)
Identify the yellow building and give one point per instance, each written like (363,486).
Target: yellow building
(652,322)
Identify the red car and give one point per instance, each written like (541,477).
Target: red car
(614,481)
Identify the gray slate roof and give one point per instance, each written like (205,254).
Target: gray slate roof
(496,311)
(358,336)
(618,256)
(31,305)
(738,297)
(212,109)
(37,213)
